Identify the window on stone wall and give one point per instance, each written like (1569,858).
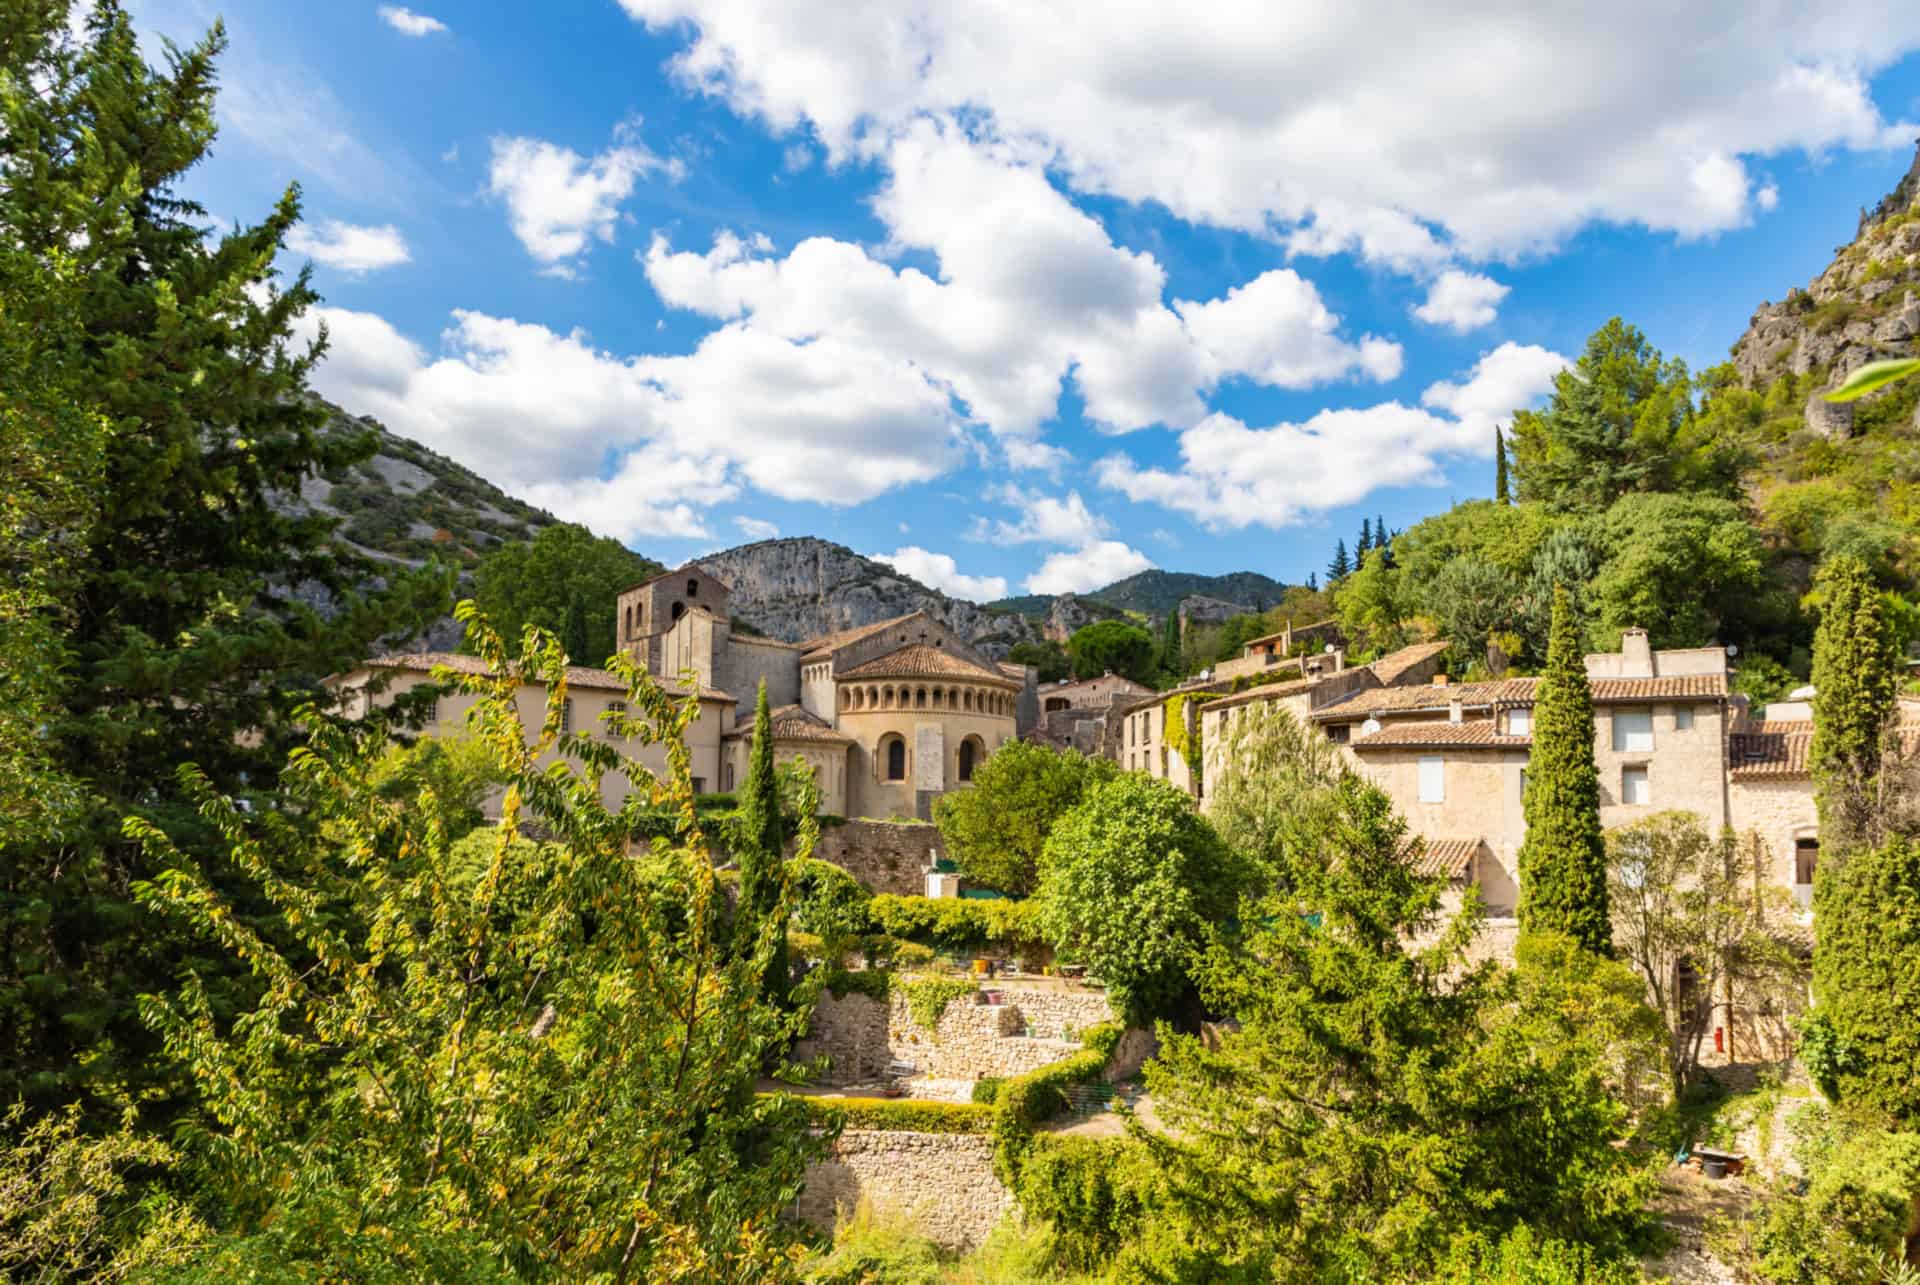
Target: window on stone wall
(968,751)
(699,785)
(1433,779)
(1806,859)
(566,715)
(1519,722)
(895,751)
(1683,718)
(1635,788)
(1339,733)
(693,588)
(1633,731)
(615,707)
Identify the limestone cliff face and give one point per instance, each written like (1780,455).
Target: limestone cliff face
(1864,307)
(800,588)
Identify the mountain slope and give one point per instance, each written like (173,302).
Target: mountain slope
(1158,592)
(802,587)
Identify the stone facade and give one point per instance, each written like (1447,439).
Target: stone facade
(885,856)
(591,694)
(943,1181)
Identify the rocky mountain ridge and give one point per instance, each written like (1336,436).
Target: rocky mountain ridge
(802,587)
(1864,307)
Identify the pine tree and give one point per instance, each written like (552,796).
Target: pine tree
(1366,542)
(1313,582)
(760,840)
(192,633)
(1170,646)
(1337,569)
(1383,541)
(1855,681)
(1563,860)
(1500,488)
(574,636)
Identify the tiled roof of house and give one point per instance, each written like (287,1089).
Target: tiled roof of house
(1406,700)
(1192,687)
(793,723)
(1480,733)
(1762,749)
(1262,692)
(1616,691)
(577,675)
(1444,858)
(918,660)
(1390,667)
(821,647)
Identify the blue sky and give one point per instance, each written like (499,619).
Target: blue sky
(1029,297)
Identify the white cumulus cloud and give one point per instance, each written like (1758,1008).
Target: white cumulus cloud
(756,528)
(1490,130)
(1082,570)
(1044,519)
(1232,475)
(1461,301)
(407,22)
(558,201)
(941,572)
(349,247)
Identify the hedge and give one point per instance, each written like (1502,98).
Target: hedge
(902,1115)
(1029,1101)
(958,923)
(1096,1193)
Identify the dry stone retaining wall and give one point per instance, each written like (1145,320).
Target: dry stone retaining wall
(851,1030)
(943,1181)
(885,856)
(970,1040)
(1052,1011)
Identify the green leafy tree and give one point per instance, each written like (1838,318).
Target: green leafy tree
(189,629)
(563,569)
(1375,1100)
(1112,645)
(1339,568)
(1866,977)
(1504,536)
(1856,662)
(1621,419)
(1678,894)
(997,830)
(540,1068)
(1689,569)
(760,838)
(1131,881)
(1502,493)
(1471,601)
(1047,656)
(1563,860)
(1372,605)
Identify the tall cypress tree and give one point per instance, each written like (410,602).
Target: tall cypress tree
(1563,862)
(1501,492)
(1856,681)
(1366,543)
(1170,645)
(574,636)
(761,838)
(191,635)
(1338,569)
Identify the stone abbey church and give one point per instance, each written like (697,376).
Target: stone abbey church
(889,715)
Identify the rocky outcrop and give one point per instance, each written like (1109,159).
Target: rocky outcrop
(1865,307)
(1070,612)
(799,588)
(1198,609)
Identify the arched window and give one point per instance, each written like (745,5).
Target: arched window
(679,610)
(969,757)
(920,699)
(895,752)
(693,588)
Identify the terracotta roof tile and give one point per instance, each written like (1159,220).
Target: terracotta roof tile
(819,648)
(1390,667)
(1613,691)
(1476,734)
(1263,692)
(793,723)
(919,660)
(1443,858)
(577,675)
(1426,696)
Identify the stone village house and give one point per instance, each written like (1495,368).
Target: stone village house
(890,715)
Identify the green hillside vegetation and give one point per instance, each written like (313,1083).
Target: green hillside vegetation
(1694,507)
(1155,593)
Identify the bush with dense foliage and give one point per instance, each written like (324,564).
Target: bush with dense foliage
(1856,1214)
(1867,904)
(564,580)
(1131,883)
(1112,646)
(996,831)
(1377,1100)
(490,1071)
(959,924)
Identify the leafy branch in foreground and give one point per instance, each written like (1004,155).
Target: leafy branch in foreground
(540,1065)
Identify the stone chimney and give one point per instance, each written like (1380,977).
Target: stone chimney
(1454,711)
(1439,680)
(1636,654)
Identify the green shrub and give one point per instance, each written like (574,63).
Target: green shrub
(871,1246)
(928,997)
(874,983)
(986,1089)
(902,1115)
(1095,1192)
(828,901)
(1859,1197)
(959,924)
(1525,1257)
(1030,1100)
